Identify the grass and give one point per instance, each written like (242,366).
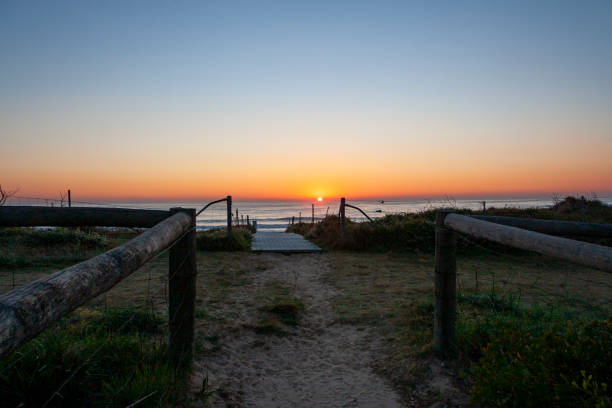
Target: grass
(277,301)
(117,363)
(393,293)
(23,247)
(217,239)
(94,358)
(278,310)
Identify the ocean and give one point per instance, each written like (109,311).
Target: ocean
(276,215)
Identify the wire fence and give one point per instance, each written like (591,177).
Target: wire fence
(530,279)
(146,289)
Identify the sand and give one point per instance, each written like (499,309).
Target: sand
(319,363)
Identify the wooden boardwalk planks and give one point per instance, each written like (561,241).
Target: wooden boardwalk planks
(281,242)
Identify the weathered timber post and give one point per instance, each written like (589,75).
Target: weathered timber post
(69,199)
(237,218)
(229,216)
(445,289)
(300,220)
(254,226)
(242,218)
(312,220)
(484,208)
(248,221)
(341,213)
(182,291)
(292,219)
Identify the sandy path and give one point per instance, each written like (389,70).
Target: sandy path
(319,364)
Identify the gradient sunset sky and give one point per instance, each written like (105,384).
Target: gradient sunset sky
(179,99)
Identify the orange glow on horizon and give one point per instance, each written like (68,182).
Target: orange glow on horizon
(184,175)
(360,187)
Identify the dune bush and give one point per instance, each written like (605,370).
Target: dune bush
(217,239)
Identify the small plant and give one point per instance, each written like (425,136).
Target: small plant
(201,314)
(276,300)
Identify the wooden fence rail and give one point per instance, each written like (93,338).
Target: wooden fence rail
(34,216)
(553,227)
(342,215)
(596,256)
(29,309)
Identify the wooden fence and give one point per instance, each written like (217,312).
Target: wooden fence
(516,232)
(342,213)
(28,310)
(239,218)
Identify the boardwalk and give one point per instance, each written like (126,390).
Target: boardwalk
(281,242)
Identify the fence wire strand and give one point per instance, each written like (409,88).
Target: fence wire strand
(542,277)
(142,283)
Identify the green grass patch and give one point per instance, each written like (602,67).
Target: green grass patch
(265,325)
(529,356)
(217,240)
(109,359)
(279,304)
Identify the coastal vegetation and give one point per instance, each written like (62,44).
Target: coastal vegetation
(23,247)
(99,358)
(531,330)
(414,232)
(528,317)
(217,239)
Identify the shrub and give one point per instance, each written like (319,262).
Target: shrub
(568,365)
(395,232)
(21,247)
(416,232)
(217,240)
(31,237)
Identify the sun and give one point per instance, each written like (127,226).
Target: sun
(319,199)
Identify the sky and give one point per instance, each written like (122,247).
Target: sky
(264,99)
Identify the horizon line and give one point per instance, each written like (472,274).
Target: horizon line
(475,196)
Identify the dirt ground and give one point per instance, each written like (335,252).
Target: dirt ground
(319,362)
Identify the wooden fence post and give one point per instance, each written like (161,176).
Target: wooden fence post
(69,199)
(342,210)
(254,226)
(181,294)
(312,220)
(484,208)
(248,221)
(300,221)
(229,216)
(445,289)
